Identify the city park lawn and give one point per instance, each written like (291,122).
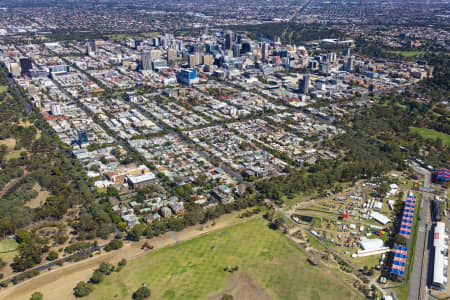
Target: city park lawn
(432,134)
(8,250)
(407,53)
(8,245)
(194,269)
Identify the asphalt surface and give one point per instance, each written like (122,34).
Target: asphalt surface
(416,284)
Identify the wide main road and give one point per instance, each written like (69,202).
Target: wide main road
(418,274)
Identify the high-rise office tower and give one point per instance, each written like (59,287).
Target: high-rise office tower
(265,51)
(208,59)
(146,57)
(228,40)
(171,54)
(246,46)
(236,50)
(187,76)
(90,47)
(324,68)
(82,137)
(286,62)
(26,65)
(155,41)
(198,58)
(56,109)
(155,54)
(331,57)
(209,48)
(349,65)
(239,38)
(346,52)
(303,85)
(191,61)
(14,68)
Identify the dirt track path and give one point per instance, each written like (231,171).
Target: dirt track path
(58,284)
(11,183)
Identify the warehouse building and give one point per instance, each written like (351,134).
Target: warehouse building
(380,217)
(141,180)
(440,245)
